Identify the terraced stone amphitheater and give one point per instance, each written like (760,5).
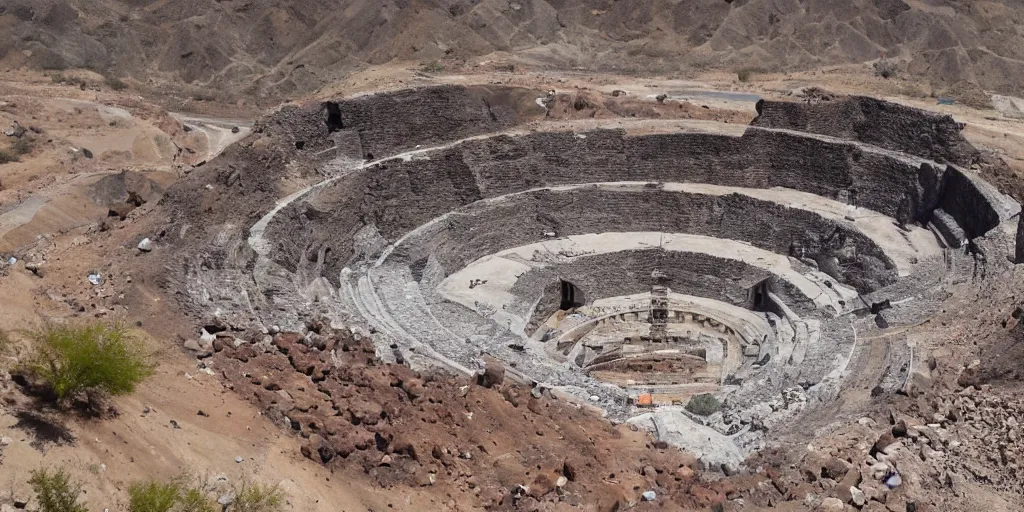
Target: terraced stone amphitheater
(775,265)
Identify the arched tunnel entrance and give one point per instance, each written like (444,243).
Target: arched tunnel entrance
(572,297)
(757,299)
(332,117)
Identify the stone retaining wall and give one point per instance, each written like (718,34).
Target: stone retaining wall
(877,122)
(391,122)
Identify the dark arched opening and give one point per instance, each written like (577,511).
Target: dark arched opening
(333,119)
(572,297)
(758,298)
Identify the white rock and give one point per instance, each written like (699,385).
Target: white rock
(857,496)
(893,481)
(710,446)
(832,505)
(146,245)
(649,496)
(879,470)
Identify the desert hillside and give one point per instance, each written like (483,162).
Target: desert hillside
(277,48)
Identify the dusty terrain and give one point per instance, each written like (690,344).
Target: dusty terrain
(211,50)
(340,428)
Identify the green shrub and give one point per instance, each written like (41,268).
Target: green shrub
(252,497)
(7,157)
(195,500)
(97,356)
(153,496)
(56,492)
(115,83)
(703,405)
(173,496)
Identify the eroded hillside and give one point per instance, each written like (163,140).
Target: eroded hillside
(277,48)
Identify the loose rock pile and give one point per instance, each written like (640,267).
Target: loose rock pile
(973,435)
(488,441)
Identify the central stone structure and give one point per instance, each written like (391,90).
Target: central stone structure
(659,307)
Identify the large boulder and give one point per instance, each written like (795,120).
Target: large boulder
(492,375)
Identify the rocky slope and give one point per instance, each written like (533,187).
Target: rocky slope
(282,47)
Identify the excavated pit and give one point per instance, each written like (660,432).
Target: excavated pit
(653,261)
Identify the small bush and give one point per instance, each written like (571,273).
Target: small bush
(173,496)
(115,83)
(744,75)
(703,405)
(56,492)
(21,146)
(100,356)
(195,500)
(432,67)
(61,78)
(252,497)
(153,496)
(204,96)
(885,68)
(7,157)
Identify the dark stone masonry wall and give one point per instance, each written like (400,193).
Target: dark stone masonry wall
(629,272)
(877,122)
(391,122)
(970,204)
(758,159)
(397,197)
(387,201)
(526,218)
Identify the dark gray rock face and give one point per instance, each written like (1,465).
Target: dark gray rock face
(1019,253)
(629,272)
(396,197)
(877,122)
(379,125)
